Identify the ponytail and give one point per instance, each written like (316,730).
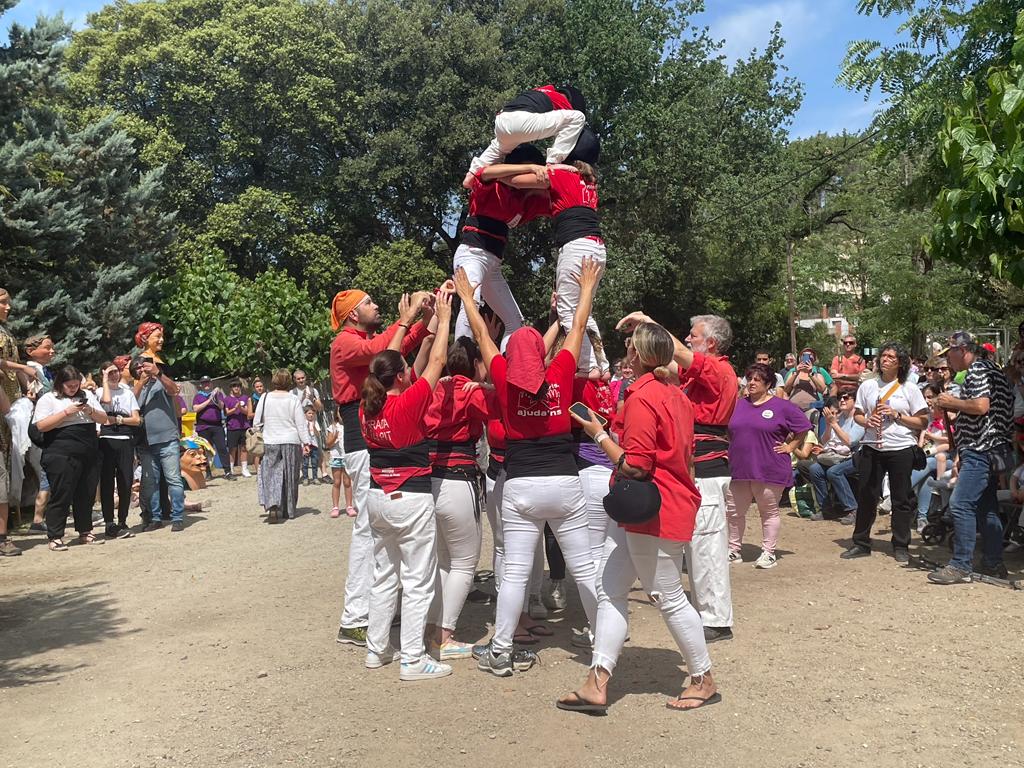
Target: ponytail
(587,172)
(384,369)
(661,373)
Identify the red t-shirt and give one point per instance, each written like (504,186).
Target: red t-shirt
(456,416)
(712,387)
(504,203)
(526,417)
(397,437)
(558,100)
(657,436)
(569,190)
(847,366)
(596,395)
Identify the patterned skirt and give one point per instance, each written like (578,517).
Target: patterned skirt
(277,479)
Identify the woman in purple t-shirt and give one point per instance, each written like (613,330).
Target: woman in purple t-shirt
(236,408)
(209,407)
(763,433)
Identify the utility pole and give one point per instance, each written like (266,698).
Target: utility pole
(792,301)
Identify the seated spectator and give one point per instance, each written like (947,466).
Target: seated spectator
(1014,496)
(833,464)
(847,367)
(807,383)
(765,358)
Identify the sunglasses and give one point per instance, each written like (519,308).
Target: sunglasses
(846,397)
(944,368)
(849,343)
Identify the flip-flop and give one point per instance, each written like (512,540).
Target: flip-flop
(582,705)
(524,638)
(539,630)
(714,698)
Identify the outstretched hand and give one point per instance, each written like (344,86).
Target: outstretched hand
(590,273)
(591,426)
(443,307)
(463,287)
(630,322)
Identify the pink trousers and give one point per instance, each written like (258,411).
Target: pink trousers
(738,499)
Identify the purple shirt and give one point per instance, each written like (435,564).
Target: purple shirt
(212,416)
(754,430)
(238,420)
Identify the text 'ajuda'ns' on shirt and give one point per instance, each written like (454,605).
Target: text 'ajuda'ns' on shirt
(538,427)
(397,440)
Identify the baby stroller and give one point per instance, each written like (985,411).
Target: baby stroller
(940,520)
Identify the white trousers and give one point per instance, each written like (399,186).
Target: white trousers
(457,517)
(658,565)
(595,481)
(707,555)
(494,494)
(514,128)
(528,503)
(570,259)
(356,611)
(484,268)
(403,546)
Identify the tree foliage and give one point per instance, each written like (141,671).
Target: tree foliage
(980,211)
(80,225)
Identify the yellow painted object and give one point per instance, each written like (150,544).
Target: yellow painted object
(188,424)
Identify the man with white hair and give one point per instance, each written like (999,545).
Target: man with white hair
(709,381)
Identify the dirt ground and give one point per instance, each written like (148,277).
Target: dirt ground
(215,647)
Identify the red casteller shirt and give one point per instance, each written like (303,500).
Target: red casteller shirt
(569,190)
(504,203)
(351,353)
(400,427)
(712,387)
(526,418)
(456,416)
(657,436)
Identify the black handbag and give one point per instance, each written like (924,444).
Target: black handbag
(631,501)
(920,457)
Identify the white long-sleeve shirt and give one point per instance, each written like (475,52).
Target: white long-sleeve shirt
(280,416)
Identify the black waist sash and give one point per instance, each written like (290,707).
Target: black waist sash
(576,222)
(550,456)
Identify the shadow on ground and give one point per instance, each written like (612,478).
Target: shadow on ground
(52,620)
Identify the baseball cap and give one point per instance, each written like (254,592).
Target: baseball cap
(205,379)
(958,339)
(989,347)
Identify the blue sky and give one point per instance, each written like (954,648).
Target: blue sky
(816,34)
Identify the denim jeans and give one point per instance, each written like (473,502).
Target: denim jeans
(974,505)
(921,488)
(163,460)
(311,463)
(838,476)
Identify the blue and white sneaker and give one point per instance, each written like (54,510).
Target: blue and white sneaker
(454,650)
(378,660)
(424,669)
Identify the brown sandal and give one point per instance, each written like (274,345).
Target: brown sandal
(58,545)
(89,538)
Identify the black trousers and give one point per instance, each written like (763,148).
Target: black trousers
(73,478)
(219,441)
(556,562)
(117,465)
(872,468)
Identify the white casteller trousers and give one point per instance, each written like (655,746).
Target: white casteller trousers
(403,546)
(707,555)
(595,481)
(528,503)
(356,611)
(457,516)
(484,268)
(658,565)
(570,260)
(494,494)
(516,127)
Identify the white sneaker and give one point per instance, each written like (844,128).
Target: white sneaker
(424,669)
(735,557)
(378,660)
(766,560)
(246,472)
(537,609)
(554,595)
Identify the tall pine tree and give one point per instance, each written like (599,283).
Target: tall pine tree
(80,225)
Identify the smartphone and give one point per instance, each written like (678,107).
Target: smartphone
(805,358)
(584,413)
(146,359)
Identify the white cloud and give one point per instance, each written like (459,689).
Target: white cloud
(750,27)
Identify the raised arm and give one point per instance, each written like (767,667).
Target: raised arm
(488,349)
(532,176)
(590,273)
(439,349)
(683,355)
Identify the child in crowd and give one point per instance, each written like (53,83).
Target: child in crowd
(934,439)
(311,461)
(335,442)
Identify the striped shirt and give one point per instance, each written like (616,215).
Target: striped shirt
(985,432)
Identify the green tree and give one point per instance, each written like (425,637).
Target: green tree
(80,226)
(980,211)
(387,271)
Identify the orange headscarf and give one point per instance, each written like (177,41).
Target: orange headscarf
(144,332)
(344,302)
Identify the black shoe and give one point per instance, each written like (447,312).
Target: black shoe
(856,551)
(901,556)
(118,532)
(229,476)
(37,528)
(949,574)
(110,531)
(177,526)
(714,634)
(995,571)
(156,525)
(480,597)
